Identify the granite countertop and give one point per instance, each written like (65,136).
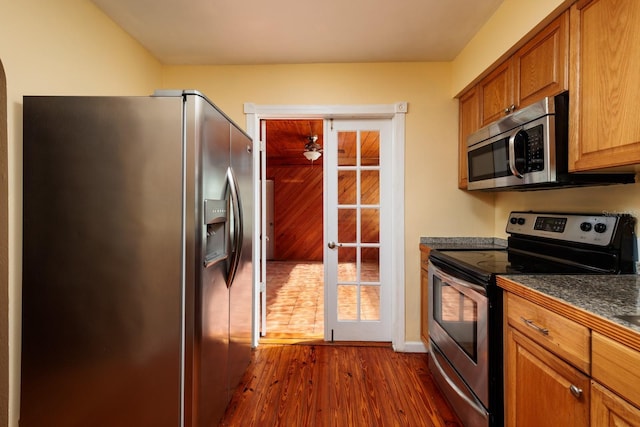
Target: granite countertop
(607,296)
(462,243)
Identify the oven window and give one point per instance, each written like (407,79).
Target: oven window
(458,316)
(490,161)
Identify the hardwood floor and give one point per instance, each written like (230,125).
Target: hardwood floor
(295,300)
(337,385)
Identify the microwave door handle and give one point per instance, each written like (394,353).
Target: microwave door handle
(512,155)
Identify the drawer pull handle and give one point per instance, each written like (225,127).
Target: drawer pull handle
(540,329)
(576,391)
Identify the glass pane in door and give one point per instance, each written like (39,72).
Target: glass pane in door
(370,148)
(347,226)
(347,302)
(347,187)
(370,265)
(370,228)
(347,271)
(347,148)
(370,302)
(369,187)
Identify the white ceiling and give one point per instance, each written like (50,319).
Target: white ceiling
(228,32)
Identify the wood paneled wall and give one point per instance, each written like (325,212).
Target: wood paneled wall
(298,227)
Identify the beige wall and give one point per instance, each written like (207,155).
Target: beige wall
(54,47)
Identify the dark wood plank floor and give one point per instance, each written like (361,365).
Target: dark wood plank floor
(337,385)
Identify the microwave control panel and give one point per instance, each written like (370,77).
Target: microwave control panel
(535,149)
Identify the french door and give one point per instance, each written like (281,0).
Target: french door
(358,181)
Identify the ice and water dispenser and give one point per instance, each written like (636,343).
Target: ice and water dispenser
(216,221)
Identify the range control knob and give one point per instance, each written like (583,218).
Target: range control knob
(600,228)
(520,221)
(585,226)
(513,220)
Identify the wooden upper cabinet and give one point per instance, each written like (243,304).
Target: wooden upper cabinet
(604,85)
(496,94)
(469,122)
(541,67)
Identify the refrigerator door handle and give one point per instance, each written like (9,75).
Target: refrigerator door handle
(236,231)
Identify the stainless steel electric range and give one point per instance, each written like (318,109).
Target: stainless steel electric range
(465,304)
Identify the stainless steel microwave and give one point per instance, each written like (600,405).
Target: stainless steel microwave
(528,150)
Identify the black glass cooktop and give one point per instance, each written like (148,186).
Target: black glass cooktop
(486,261)
(486,264)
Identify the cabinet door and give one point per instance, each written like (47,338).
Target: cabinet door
(496,94)
(424,296)
(616,366)
(604,84)
(469,122)
(541,67)
(539,387)
(609,410)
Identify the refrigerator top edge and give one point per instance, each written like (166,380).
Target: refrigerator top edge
(193,92)
(158,93)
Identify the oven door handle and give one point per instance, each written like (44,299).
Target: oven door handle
(455,282)
(473,403)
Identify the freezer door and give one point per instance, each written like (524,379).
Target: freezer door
(102,262)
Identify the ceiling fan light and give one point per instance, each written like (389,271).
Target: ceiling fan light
(312,155)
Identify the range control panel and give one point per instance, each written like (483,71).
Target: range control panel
(580,228)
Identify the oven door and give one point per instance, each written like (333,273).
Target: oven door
(458,319)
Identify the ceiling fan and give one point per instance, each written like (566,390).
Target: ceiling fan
(312,150)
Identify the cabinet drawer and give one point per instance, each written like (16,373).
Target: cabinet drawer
(616,366)
(563,337)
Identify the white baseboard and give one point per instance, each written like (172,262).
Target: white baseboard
(414,347)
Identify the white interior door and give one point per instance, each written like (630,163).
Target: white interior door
(264,207)
(358,179)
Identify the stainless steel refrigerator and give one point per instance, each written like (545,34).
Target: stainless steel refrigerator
(137,269)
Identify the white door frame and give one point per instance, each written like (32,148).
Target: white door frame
(396,112)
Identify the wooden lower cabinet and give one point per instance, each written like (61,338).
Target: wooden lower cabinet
(610,410)
(424,295)
(561,372)
(542,389)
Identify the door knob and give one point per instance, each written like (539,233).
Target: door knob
(333,245)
